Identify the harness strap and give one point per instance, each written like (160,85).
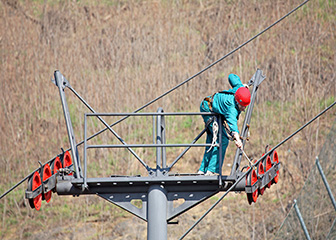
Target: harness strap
(226,127)
(227,130)
(209,99)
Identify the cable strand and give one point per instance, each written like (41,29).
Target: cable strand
(177,86)
(255,164)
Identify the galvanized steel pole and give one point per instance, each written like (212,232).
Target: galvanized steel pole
(325,183)
(157,213)
(61,84)
(303,225)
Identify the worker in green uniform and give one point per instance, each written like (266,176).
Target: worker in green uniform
(228,103)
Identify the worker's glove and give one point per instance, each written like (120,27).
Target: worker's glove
(245,85)
(237,140)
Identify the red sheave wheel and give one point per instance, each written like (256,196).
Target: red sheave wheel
(251,179)
(67,161)
(275,161)
(268,167)
(56,165)
(34,183)
(47,174)
(261,171)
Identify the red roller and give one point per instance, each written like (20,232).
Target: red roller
(67,161)
(251,179)
(34,183)
(268,167)
(47,174)
(261,171)
(267,163)
(56,165)
(275,161)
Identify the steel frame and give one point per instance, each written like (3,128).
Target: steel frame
(157,191)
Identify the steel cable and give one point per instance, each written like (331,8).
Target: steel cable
(172,89)
(255,164)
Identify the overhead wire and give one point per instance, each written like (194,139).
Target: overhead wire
(255,164)
(169,91)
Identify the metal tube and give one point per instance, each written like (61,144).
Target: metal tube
(163,150)
(303,225)
(157,213)
(150,113)
(258,78)
(150,145)
(325,183)
(85,150)
(153,129)
(331,231)
(60,82)
(220,147)
(158,141)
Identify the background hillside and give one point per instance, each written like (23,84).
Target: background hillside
(119,55)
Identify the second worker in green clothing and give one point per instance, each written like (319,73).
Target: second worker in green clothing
(228,103)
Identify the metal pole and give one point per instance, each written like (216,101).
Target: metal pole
(85,151)
(157,213)
(150,145)
(60,82)
(255,81)
(331,231)
(163,134)
(158,141)
(220,147)
(303,225)
(153,129)
(325,183)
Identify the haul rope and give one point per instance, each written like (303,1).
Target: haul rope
(172,89)
(255,164)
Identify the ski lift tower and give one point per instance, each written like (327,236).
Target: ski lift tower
(157,191)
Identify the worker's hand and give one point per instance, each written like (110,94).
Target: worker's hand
(245,85)
(237,140)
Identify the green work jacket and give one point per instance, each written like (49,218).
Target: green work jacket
(225,104)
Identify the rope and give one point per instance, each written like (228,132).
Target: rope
(246,157)
(200,72)
(214,137)
(255,164)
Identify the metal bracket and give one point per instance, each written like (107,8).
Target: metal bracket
(33,194)
(65,82)
(256,79)
(124,200)
(45,187)
(191,199)
(61,82)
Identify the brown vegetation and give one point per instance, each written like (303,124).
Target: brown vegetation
(119,55)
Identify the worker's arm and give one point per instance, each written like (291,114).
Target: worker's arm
(235,82)
(237,140)
(230,113)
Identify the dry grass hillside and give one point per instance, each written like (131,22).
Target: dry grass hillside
(119,55)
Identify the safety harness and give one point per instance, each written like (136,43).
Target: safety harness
(215,127)
(209,99)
